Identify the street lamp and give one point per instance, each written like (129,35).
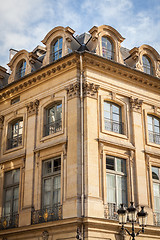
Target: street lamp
(132,217)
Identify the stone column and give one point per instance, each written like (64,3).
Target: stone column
(1,128)
(71,204)
(28,194)
(139,180)
(91,153)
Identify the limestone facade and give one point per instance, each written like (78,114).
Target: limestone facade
(78,136)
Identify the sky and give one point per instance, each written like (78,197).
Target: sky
(24,24)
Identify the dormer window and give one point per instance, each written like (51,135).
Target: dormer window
(56,50)
(107,48)
(147,65)
(21,69)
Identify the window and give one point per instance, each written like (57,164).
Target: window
(147,66)
(51,177)
(15,131)
(107,48)
(153,129)
(112,117)
(21,69)
(11,198)
(156,193)
(56,50)
(116,182)
(53,119)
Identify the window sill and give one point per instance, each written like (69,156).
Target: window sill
(119,135)
(13,149)
(48,137)
(150,144)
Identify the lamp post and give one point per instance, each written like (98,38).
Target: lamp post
(132,217)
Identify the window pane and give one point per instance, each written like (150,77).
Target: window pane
(15,206)
(8,178)
(110,163)
(8,195)
(57,187)
(47,192)
(115,117)
(121,190)
(111,193)
(16,174)
(47,167)
(115,109)
(121,165)
(57,164)
(149,118)
(155,173)
(107,106)
(7,208)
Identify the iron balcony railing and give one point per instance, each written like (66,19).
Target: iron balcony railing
(113,126)
(156,218)
(15,141)
(111,211)
(47,214)
(9,221)
(53,127)
(154,137)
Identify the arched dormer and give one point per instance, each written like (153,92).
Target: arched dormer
(107,42)
(58,43)
(146,59)
(21,64)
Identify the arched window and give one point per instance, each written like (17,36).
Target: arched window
(15,131)
(153,129)
(107,48)
(21,69)
(53,119)
(112,117)
(56,49)
(147,66)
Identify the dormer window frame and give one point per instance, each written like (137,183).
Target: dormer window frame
(147,64)
(59,51)
(111,53)
(20,69)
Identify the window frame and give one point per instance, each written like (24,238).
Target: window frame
(59,51)
(111,52)
(151,115)
(51,175)
(21,69)
(10,136)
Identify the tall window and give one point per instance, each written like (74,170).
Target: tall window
(53,119)
(51,177)
(147,66)
(21,69)
(107,48)
(112,117)
(156,193)
(11,198)
(116,182)
(153,129)
(56,52)
(15,131)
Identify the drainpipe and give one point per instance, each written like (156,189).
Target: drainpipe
(82,142)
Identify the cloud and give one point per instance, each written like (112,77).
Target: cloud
(24,24)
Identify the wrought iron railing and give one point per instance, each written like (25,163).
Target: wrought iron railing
(53,127)
(15,141)
(111,211)
(156,218)
(47,214)
(113,126)
(9,221)
(154,137)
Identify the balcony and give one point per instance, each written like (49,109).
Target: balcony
(111,211)
(154,137)
(47,215)
(9,221)
(15,141)
(53,127)
(156,218)
(113,126)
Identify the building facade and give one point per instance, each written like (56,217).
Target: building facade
(79,135)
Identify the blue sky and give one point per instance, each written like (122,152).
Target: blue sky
(23,24)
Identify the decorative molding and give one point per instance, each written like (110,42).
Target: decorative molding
(131,157)
(45,235)
(113,95)
(90,90)
(147,161)
(136,104)
(1,121)
(73,90)
(32,107)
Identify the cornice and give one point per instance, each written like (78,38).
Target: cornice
(39,76)
(121,71)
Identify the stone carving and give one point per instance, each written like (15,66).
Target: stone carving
(139,66)
(73,90)
(32,107)
(158,73)
(90,90)
(45,235)
(147,161)
(136,104)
